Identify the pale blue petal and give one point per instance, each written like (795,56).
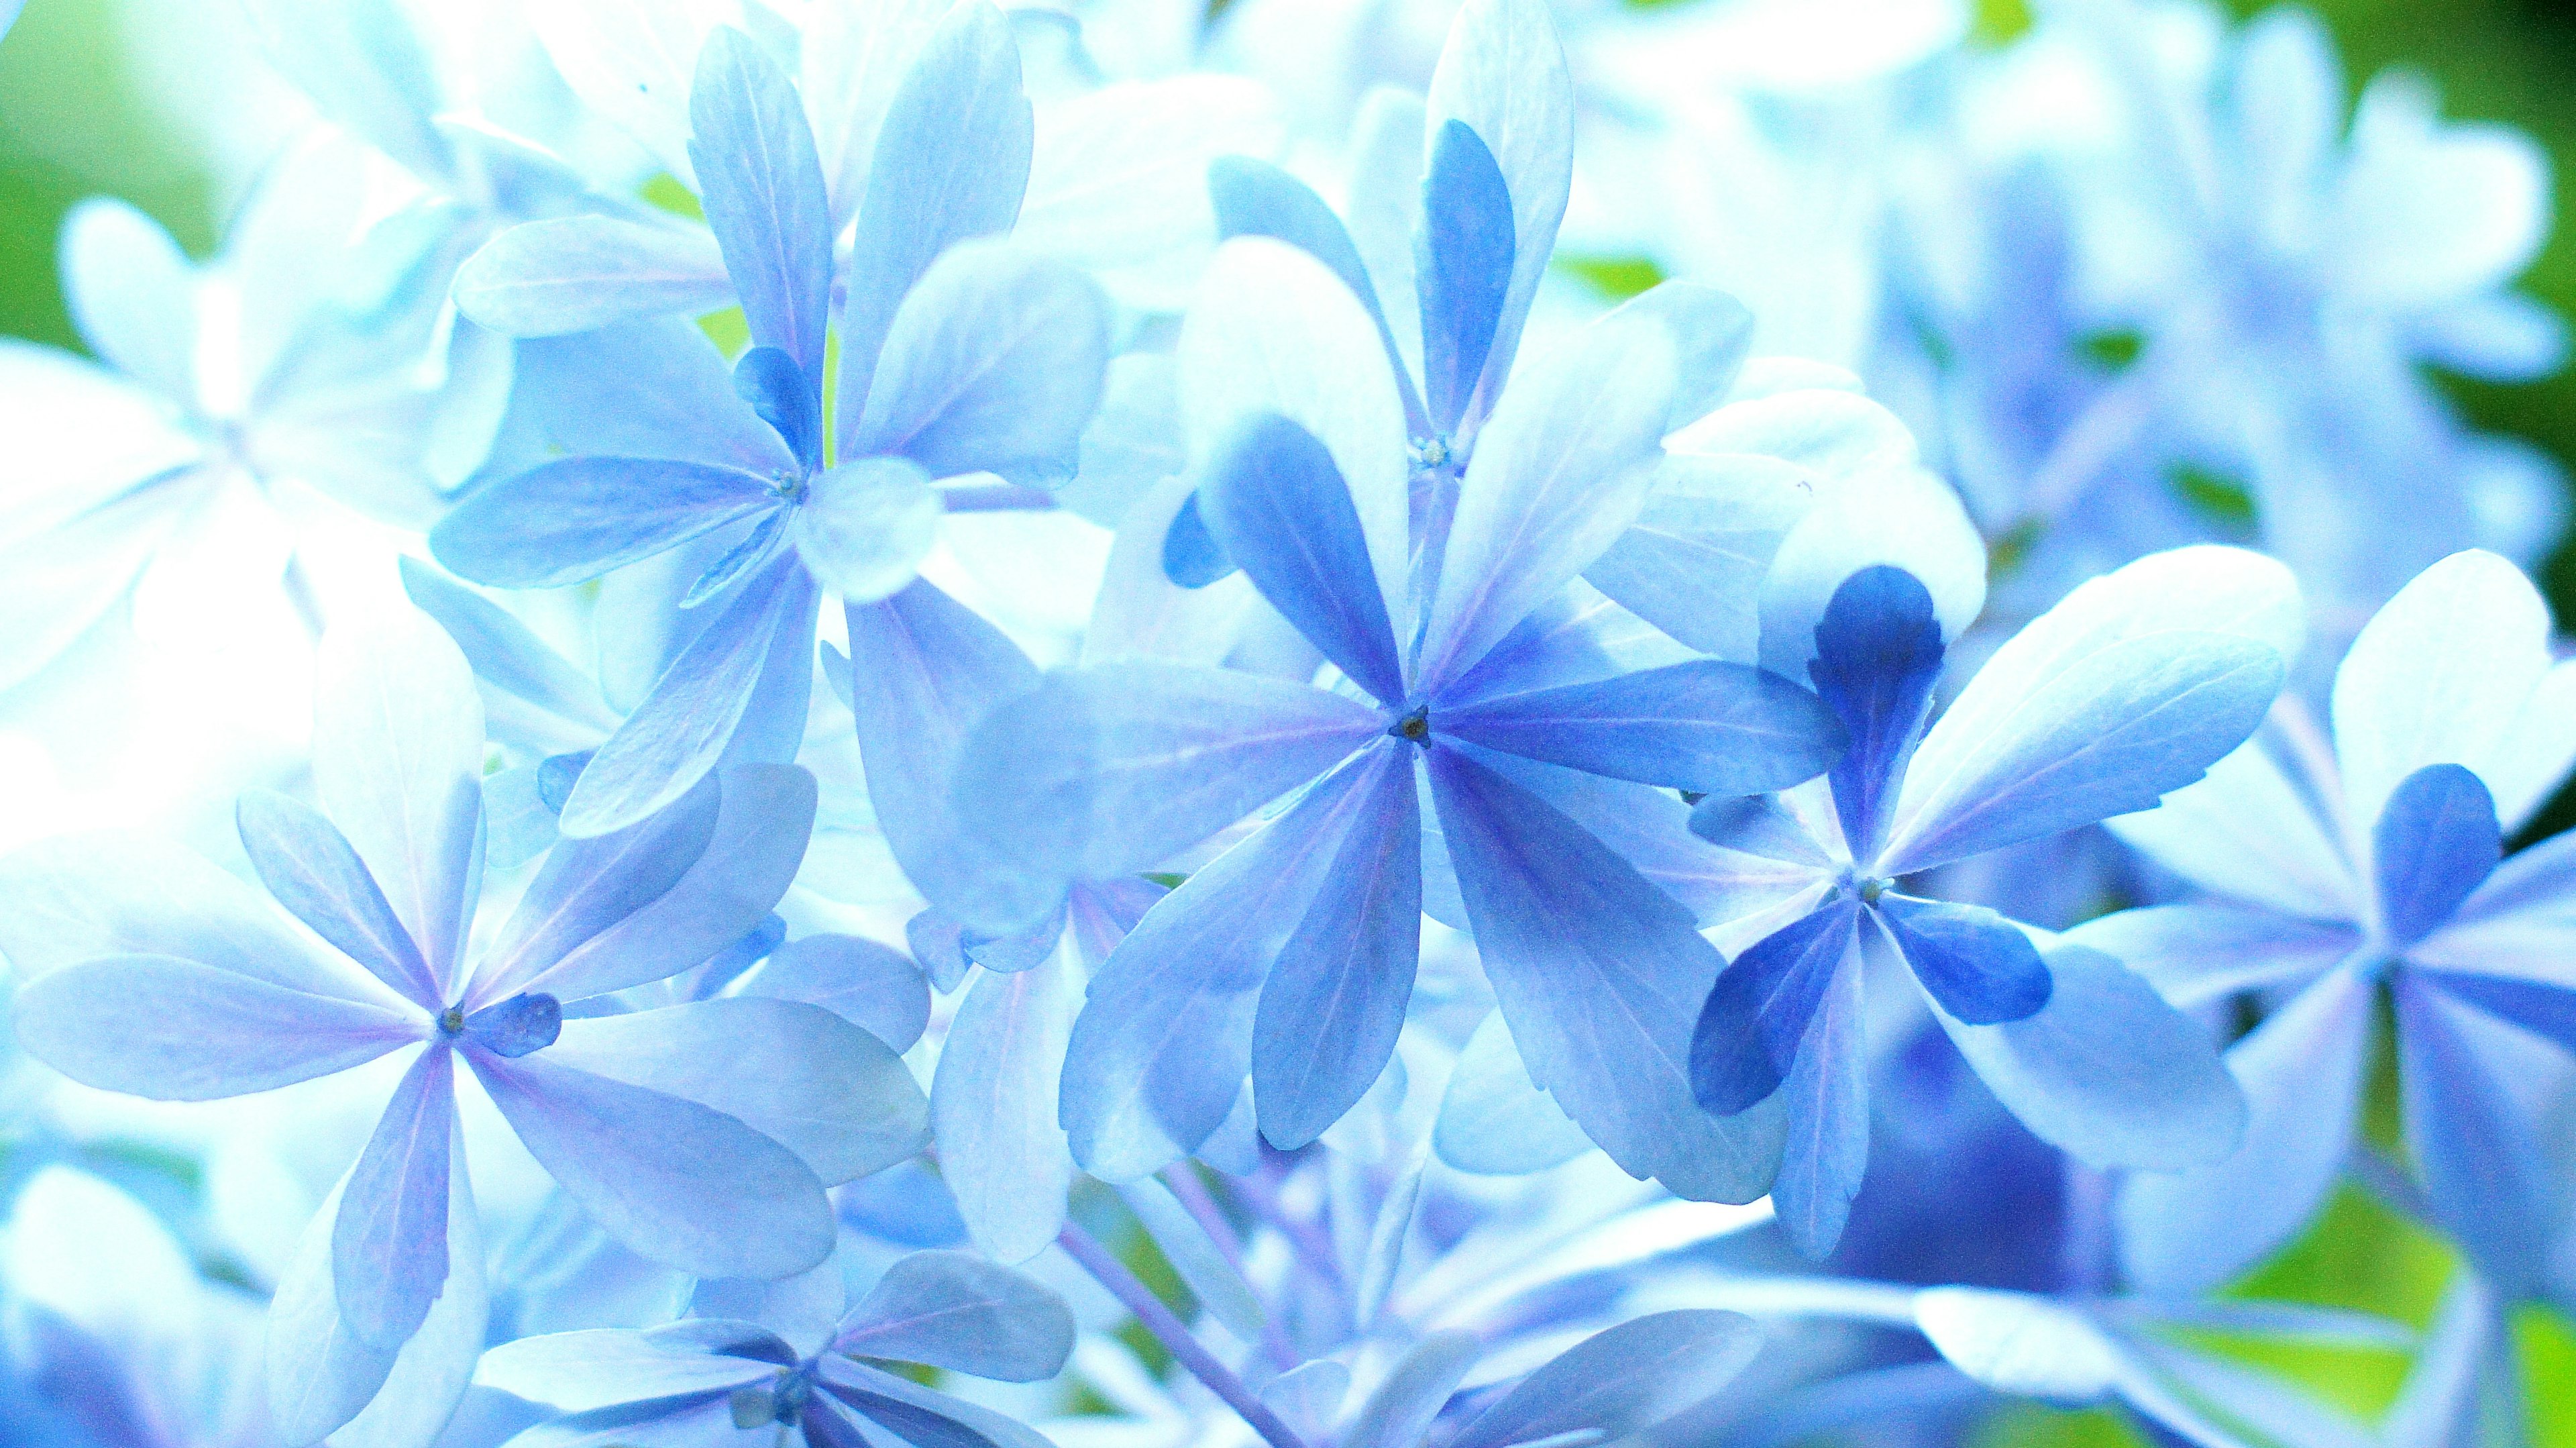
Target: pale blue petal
(993,1107)
(762,188)
(2109,1072)
(1400,1409)
(174,1030)
(874,988)
(581,273)
(1164,1041)
(1827,1098)
(312,870)
(1621,1381)
(1715,333)
(576,1372)
(697,1420)
(389,1240)
(2484,1171)
(76,897)
(1559,472)
(924,670)
(1976,964)
(2105,735)
(1706,725)
(588,886)
(1493,1119)
(1335,1000)
(131,291)
(1255,198)
(364,67)
(577,518)
(763,815)
(994,363)
(504,652)
(681,1183)
(1462,267)
(1693,562)
(956,1311)
(1752,1027)
(866,525)
(952,162)
(1600,975)
(1114,768)
(2436,841)
(919,1416)
(1503,72)
(398,761)
(688,722)
(1275,502)
(2301,1072)
(649,389)
(324,1381)
(2207,950)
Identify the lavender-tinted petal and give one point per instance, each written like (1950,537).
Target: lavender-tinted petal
(576,518)
(1622,1380)
(1278,507)
(1165,1037)
(1980,966)
(1705,725)
(578,274)
(952,162)
(1827,1097)
(1113,768)
(1600,975)
(681,1183)
(762,187)
(1335,999)
(1255,198)
(993,1107)
(175,1030)
(311,869)
(389,1241)
(862,982)
(688,722)
(2436,841)
(925,669)
(2485,1173)
(955,1310)
(800,1076)
(588,886)
(994,363)
(577,1372)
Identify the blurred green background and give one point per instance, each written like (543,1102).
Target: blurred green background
(83,111)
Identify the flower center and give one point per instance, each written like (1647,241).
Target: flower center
(1415,726)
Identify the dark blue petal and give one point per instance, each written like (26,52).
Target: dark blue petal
(1278,505)
(557,774)
(762,188)
(1462,261)
(1878,654)
(786,398)
(1255,198)
(1192,557)
(1754,1017)
(1980,967)
(313,871)
(2436,841)
(738,560)
(517,1026)
(1706,725)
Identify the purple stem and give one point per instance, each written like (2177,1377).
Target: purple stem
(1139,1299)
(1184,1181)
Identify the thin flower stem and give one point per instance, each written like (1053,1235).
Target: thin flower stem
(1139,1299)
(1184,1181)
(1261,1189)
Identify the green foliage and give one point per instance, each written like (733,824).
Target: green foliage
(1615,277)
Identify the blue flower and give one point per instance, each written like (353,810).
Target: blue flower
(1291,957)
(2338,874)
(683,1131)
(952,359)
(2130,688)
(712,1381)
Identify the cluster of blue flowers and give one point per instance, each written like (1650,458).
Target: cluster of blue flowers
(1412,836)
